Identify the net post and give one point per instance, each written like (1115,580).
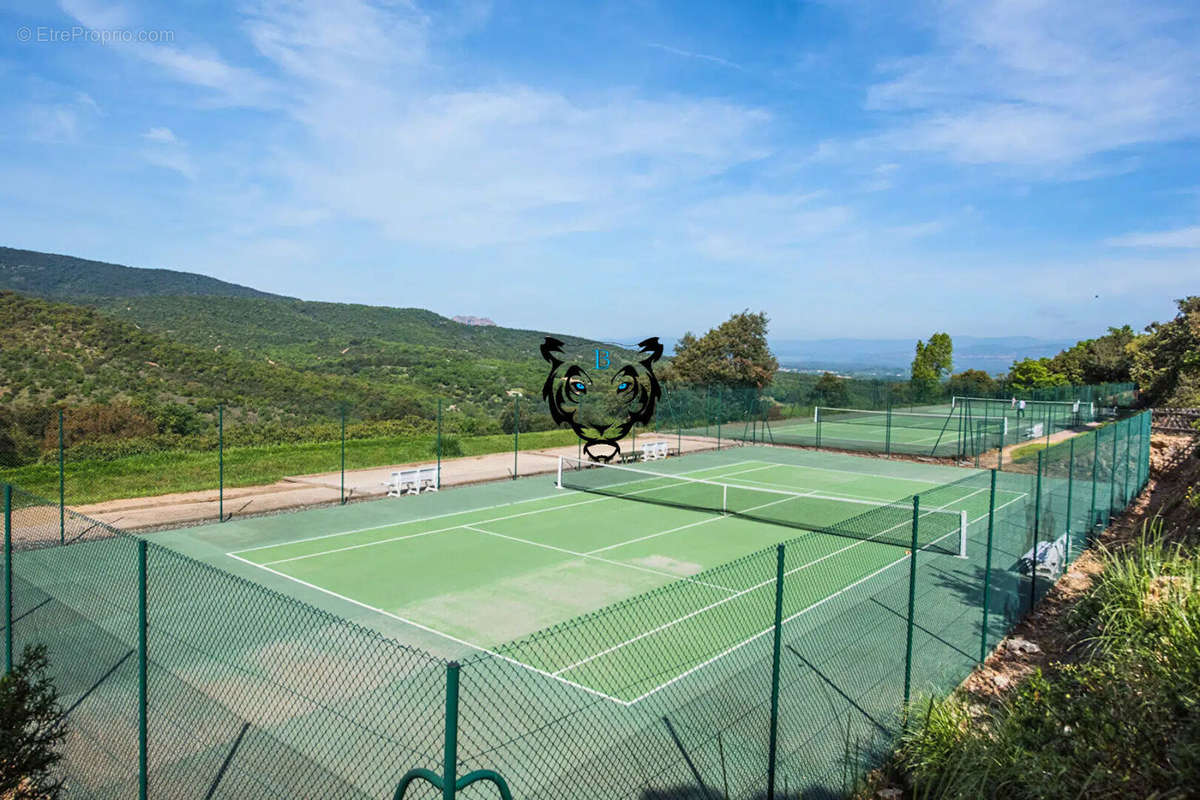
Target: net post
(221,463)
(724,499)
(8,573)
(1070,492)
(779,572)
(62,485)
(887,444)
(558,481)
(962,534)
(343,484)
(912,604)
(143,760)
(987,568)
(1037,529)
(437,480)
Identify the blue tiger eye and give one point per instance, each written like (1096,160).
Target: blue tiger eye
(623,386)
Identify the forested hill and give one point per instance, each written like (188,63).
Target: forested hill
(155,337)
(69,278)
(61,353)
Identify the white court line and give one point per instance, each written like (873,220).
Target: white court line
(443,516)
(767,630)
(578,554)
(434,631)
(721,602)
(556,676)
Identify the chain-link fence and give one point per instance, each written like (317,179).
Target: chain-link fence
(784,671)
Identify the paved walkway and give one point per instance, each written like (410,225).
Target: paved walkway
(300,491)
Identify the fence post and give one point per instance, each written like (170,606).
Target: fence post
(1125,496)
(516,432)
(1092,518)
(779,550)
(221,462)
(1037,525)
(438,480)
(1070,492)
(1112,483)
(718,423)
(62,484)
(987,569)
(8,572)
(143,760)
(912,605)
(343,487)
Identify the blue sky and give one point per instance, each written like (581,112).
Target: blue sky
(860,169)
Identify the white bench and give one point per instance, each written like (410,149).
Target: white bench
(412,481)
(653,451)
(1036,431)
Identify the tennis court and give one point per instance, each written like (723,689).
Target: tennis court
(482,577)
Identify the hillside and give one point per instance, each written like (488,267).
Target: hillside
(380,346)
(66,277)
(61,353)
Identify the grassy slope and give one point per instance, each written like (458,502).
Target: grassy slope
(56,352)
(93,481)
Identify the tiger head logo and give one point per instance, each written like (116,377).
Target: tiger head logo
(601,403)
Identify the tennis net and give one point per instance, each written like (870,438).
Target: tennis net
(1001,405)
(904,419)
(938,529)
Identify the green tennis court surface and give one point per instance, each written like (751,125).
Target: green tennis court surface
(535,556)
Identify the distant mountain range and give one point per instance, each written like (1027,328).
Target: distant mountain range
(894,356)
(991,354)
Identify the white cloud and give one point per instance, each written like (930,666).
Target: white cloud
(1043,83)
(1179,238)
(160,135)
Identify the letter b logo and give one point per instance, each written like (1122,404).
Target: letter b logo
(602,359)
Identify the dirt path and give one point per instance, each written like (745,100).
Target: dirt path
(301,491)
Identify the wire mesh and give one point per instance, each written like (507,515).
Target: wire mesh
(665,694)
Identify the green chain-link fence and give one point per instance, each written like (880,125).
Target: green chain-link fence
(778,669)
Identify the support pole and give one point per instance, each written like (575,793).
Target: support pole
(450,750)
(8,572)
(987,568)
(221,463)
(912,604)
(343,489)
(143,749)
(62,484)
(1092,518)
(516,432)
(438,479)
(1070,492)
(1112,483)
(779,552)
(1037,529)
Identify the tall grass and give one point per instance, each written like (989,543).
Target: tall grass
(1124,721)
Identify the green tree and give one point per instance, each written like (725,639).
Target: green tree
(972,383)
(1034,373)
(1166,362)
(30,733)
(830,390)
(932,362)
(1107,359)
(734,353)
